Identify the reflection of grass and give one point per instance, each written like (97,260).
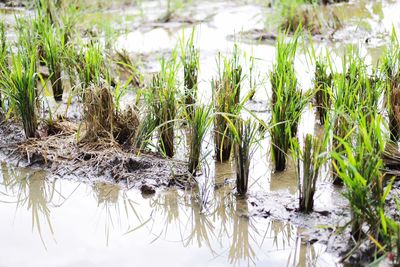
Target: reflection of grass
(241,243)
(113,205)
(34,191)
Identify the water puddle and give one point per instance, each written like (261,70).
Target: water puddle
(62,223)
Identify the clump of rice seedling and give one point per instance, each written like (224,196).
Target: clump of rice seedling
(323,87)
(148,119)
(164,107)
(199,122)
(296,14)
(89,64)
(287,101)
(391,233)
(3,44)
(309,162)
(124,61)
(53,46)
(354,92)
(226,98)
(3,52)
(26,38)
(391,72)
(190,59)
(19,85)
(360,166)
(252,80)
(245,137)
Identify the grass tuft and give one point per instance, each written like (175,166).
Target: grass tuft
(287,102)
(226,100)
(18,83)
(199,122)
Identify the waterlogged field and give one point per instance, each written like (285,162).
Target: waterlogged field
(200,133)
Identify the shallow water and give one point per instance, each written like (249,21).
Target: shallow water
(47,222)
(64,223)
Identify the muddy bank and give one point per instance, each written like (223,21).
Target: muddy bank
(63,157)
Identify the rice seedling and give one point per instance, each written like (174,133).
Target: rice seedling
(68,20)
(295,14)
(164,107)
(226,100)
(54,46)
(246,133)
(359,166)
(3,44)
(90,65)
(46,9)
(391,242)
(355,91)
(252,79)
(27,41)
(190,60)
(124,61)
(391,73)
(199,122)
(3,53)
(172,7)
(148,121)
(19,84)
(309,161)
(287,101)
(323,87)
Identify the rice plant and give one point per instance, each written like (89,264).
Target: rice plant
(3,53)
(287,101)
(148,120)
(226,100)
(360,167)
(199,122)
(391,73)
(19,85)
(391,232)
(295,14)
(309,161)
(90,65)
(124,61)
(3,44)
(355,91)
(164,106)
(190,59)
(246,133)
(323,87)
(27,41)
(54,46)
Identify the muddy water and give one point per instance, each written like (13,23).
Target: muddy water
(49,222)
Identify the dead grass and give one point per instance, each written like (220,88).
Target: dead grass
(103,159)
(103,122)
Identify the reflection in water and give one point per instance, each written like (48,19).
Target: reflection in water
(241,249)
(107,197)
(32,190)
(222,233)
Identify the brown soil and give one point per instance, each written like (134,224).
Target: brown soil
(58,151)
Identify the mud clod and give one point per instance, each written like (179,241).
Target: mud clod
(147,190)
